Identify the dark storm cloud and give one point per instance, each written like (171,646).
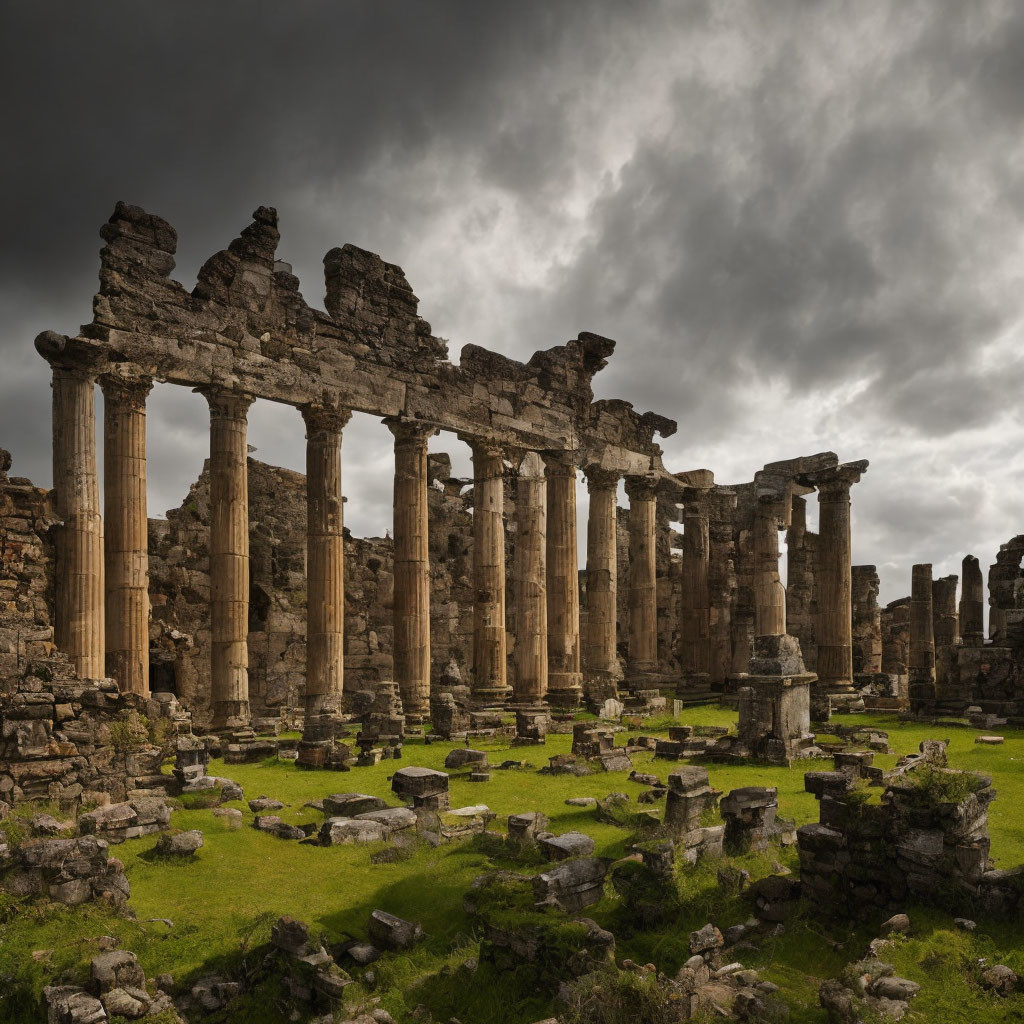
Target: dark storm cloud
(800,220)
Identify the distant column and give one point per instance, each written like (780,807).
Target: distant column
(769,594)
(126,554)
(325,566)
(601,669)
(531,582)
(972,604)
(643,594)
(921,668)
(835,591)
(229,558)
(695,616)
(565,680)
(412,567)
(489,684)
(945,621)
(79,599)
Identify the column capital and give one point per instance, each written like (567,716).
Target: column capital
(559,463)
(73,357)
(320,418)
(226,404)
(485,448)
(131,392)
(834,484)
(695,501)
(409,431)
(598,478)
(529,464)
(642,488)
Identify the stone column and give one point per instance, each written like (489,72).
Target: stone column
(834,581)
(126,552)
(601,669)
(412,567)
(945,621)
(531,582)
(921,668)
(695,603)
(769,593)
(972,604)
(643,603)
(79,598)
(565,680)
(489,684)
(229,559)
(325,566)
(721,580)
(867,621)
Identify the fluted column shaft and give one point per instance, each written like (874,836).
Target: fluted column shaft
(769,594)
(835,586)
(531,582)
(565,680)
(695,611)
(412,567)
(229,559)
(921,667)
(972,603)
(489,644)
(79,599)
(600,656)
(126,552)
(643,592)
(325,562)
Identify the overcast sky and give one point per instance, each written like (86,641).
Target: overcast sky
(800,219)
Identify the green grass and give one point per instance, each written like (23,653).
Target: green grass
(242,879)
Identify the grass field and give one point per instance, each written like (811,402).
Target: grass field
(241,880)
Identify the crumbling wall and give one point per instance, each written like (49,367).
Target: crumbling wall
(895,623)
(61,738)
(867,621)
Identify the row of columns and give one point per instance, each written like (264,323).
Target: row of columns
(102,603)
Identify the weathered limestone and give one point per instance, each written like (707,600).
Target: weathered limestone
(229,558)
(801,581)
(972,603)
(489,643)
(643,608)
(867,621)
(126,554)
(531,582)
(695,599)
(769,593)
(412,567)
(601,669)
(945,632)
(325,564)
(921,668)
(79,599)
(834,663)
(565,681)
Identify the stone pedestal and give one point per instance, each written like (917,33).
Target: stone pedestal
(126,554)
(229,559)
(565,680)
(412,568)
(489,684)
(921,669)
(325,570)
(601,671)
(531,650)
(643,593)
(972,604)
(79,597)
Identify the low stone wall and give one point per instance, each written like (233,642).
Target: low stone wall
(927,840)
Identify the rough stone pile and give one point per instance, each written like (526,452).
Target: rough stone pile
(751,819)
(70,871)
(689,796)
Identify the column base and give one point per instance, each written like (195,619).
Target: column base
(601,686)
(565,689)
(229,715)
(695,688)
(490,696)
